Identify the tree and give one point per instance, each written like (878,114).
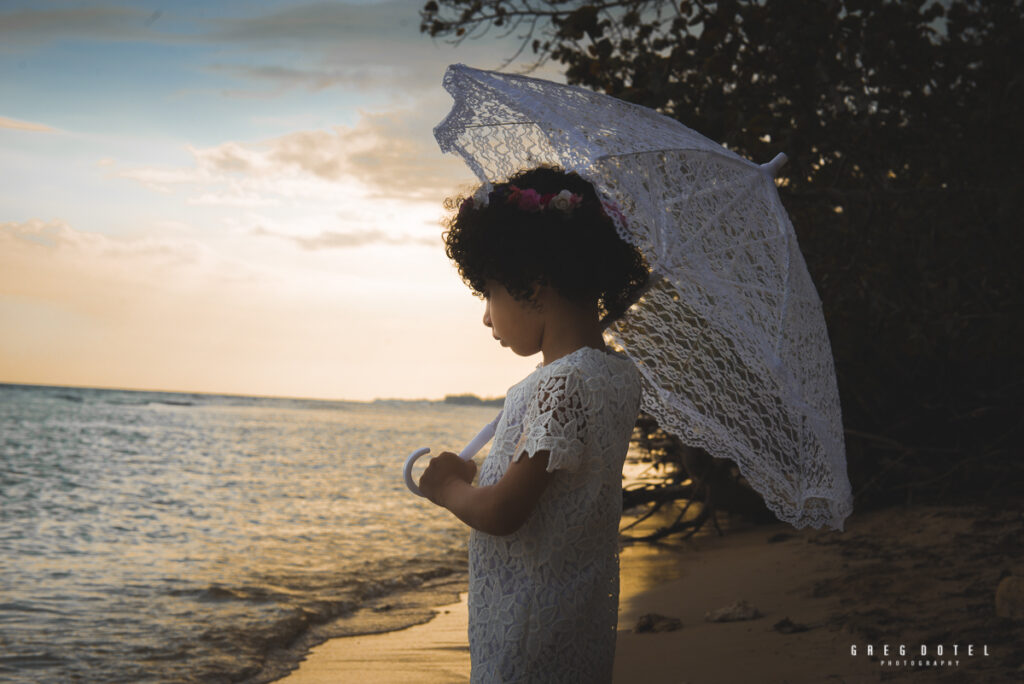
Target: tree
(905,186)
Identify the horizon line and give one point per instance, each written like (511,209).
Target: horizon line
(248,396)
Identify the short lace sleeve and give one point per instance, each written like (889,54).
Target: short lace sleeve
(556,421)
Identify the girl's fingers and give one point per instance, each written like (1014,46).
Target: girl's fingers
(446,462)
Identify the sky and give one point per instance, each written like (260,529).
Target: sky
(239,197)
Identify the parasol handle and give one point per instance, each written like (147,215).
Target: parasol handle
(470,450)
(772,167)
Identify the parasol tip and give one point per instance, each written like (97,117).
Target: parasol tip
(772,167)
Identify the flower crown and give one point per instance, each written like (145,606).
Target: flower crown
(525,199)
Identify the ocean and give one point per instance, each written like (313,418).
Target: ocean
(166,537)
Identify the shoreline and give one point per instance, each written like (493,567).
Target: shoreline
(925,575)
(435,650)
(380,616)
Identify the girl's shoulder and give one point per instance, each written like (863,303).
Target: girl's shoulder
(589,359)
(593,367)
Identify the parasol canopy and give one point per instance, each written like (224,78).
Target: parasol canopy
(729,338)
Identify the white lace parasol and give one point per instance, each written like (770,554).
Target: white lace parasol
(730,338)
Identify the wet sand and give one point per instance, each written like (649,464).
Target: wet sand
(912,577)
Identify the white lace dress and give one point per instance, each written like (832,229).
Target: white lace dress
(543,601)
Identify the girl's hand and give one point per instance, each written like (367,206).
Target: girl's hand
(444,469)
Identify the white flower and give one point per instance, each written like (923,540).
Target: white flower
(563,201)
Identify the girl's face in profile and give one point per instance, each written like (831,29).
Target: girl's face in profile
(517,325)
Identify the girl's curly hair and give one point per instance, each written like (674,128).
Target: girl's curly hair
(578,253)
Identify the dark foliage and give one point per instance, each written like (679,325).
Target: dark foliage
(905,184)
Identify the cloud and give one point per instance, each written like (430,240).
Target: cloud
(384,155)
(354,74)
(25,125)
(390,152)
(24,27)
(359,45)
(283,78)
(29,247)
(345,240)
(319,24)
(364,46)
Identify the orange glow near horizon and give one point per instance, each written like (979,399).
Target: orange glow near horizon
(99,312)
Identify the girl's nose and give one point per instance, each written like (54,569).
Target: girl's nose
(487,314)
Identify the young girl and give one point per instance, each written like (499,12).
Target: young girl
(543,552)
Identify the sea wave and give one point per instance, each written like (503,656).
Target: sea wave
(147,541)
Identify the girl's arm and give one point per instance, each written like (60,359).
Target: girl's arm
(498,509)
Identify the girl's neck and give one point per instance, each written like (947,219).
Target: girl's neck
(569,326)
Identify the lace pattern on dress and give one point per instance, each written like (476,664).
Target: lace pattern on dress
(543,601)
(557,422)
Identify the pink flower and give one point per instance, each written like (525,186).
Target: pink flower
(529,200)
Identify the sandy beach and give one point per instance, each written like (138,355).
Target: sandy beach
(918,577)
